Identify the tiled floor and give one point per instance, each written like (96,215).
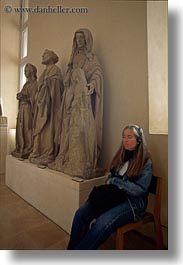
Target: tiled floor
(23,227)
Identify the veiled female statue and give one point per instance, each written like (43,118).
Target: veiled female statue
(46,118)
(82,111)
(24,125)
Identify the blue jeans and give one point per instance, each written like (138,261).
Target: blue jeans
(83,239)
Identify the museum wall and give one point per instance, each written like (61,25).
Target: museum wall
(119,31)
(10,40)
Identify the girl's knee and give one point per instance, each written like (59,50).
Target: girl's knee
(83,212)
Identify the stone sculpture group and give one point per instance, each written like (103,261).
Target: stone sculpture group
(59,121)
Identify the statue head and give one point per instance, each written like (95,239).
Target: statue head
(49,57)
(30,71)
(83,39)
(80,40)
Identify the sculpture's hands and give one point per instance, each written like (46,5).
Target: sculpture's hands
(19,96)
(22,97)
(91,88)
(67,81)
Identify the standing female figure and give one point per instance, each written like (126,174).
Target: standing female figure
(24,125)
(82,111)
(131,174)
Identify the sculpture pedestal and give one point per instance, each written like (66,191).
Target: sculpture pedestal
(53,193)
(3,146)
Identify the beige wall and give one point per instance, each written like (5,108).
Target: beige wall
(10,26)
(119,30)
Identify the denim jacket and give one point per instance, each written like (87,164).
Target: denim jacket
(136,190)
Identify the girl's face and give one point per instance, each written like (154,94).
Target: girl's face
(129,139)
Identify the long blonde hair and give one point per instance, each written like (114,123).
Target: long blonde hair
(141,154)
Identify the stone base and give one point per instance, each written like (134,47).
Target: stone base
(53,193)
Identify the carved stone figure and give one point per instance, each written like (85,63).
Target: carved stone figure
(24,125)
(46,126)
(82,111)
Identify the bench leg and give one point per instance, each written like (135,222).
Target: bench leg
(159,236)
